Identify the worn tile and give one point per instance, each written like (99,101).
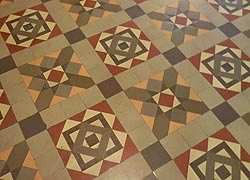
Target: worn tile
(166,102)
(219,156)
(92,142)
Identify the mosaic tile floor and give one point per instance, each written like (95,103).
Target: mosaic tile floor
(125,89)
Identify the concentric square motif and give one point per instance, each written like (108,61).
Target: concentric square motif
(27,28)
(5,2)
(123,47)
(91,142)
(17,162)
(217,157)
(181,21)
(225,67)
(231,9)
(87,11)
(54,77)
(166,102)
(7,117)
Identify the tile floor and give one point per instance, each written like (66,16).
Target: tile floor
(125,89)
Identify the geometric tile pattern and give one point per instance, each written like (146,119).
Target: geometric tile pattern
(27,28)
(91,142)
(225,67)
(5,2)
(54,77)
(166,102)
(17,162)
(123,47)
(7,117)
(231,9)
(86,11)
(217,157)
(181,21)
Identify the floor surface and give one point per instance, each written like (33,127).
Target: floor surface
(125,89)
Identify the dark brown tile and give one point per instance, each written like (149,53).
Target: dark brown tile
(109,87)
(246,117)
(225,113)
(134,12)
(156,155)
(174,56)
(74,36)
(32,125)
(229,30)
(7,64)
(150,177)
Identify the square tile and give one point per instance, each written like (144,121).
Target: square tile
(219,156)
(181,21)
(231,9)
(7,64)
(155,155)
(247,33)
(92,142)
(88,11)
(7,117)
(229,30)
(134,12)
(16,162)
(225,113)
(123,47)
(109,87)
(74,36)
(32,125)
(174,56)
(28,27)
(246,117)
(225,67)
(54,77)
(166,102)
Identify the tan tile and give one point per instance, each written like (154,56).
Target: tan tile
(40,144)
(11,78)
(174,144)
(53,115)
(127,79)
(136,167)
(169,170)
(99,73)
(3,50)
(143,71)
(58,42)
(23,57)
(60,174)
(17,93)
(239,129)
(240,103)
(186,69)
(91,96)
(158,63)
(116,173)
(142,137)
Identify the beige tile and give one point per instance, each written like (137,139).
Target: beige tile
(136,167)
(127,79)
(240,103)
(143,71)
(40,144)
(239,129)
(99,73)
(174,144)
(58,42)
(169,170)
(3,50)
(115,173)
(91,96)
(142,137)
(59,174)
(158,63)
(198,83)
(23,57)
(11,78)
(186,69)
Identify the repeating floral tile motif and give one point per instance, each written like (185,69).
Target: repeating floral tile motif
(181,21)
(54,77)
(27,28)
(123,47)
(91,142)
(166,102)
(5,2)
(7,117)
(17,162)
(217,157)
(231,9)
(86,11)
(226,68)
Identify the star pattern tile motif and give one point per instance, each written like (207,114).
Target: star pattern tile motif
(54,77)
(7,117)
(123,47)
(231,9)
(218,157)
(166,102)
(181,21)
(92,142)
(87,11)
(27,28)
(5,2)
(17,162)
(226,68)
